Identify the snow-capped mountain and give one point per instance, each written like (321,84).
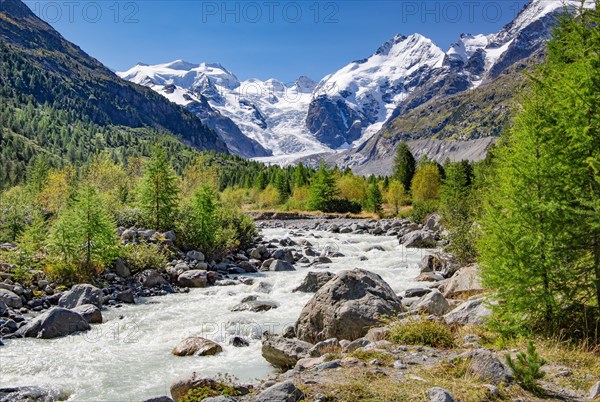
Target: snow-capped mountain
(269,113)
(347,107)
(407,71)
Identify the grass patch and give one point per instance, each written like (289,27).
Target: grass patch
(421,332)
(384,358)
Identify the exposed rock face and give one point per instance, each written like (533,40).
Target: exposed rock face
(281,392)
(10,299)
(465,282)
(470,312)
(194,278)
(314,281)
(283,352)
(197,346)
(90,313)
(333,122)
(346,307)
(54,323)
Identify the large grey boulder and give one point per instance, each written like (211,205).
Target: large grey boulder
(90,313)
(314,281)
(346,307)
(487,367)
(283,352)
(437,394)
(183,385)
(465,282)
(433,303)
(159,399)
(80,295)
(419,239)
(195,255)
(281,265)
(31,394)
(122,269)
(255,306)
(470,312)
(54,323)
(150,278)
(444,264)
(281,392)
(194,278)
(197,346)
(10,299)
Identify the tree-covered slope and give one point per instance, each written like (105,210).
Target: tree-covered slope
(57,100)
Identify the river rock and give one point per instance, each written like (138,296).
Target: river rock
(255,306)
(194,278)
(195,256)
(150,278)
(90,313)
(280,265)
(281,392)
(465,282)
(314,281)
(239,342)
(419,239)
(197,346)
(326,346)
(487,367)
(283,254)
(221,398)
(10,299)
(3,308)
(346,307)
(416,292)
(433,303)
(122,269)
(80,295)
(54,323)
(159,399)
(470,312)
(31,394)
(126,296)
(437,394)
(283,352)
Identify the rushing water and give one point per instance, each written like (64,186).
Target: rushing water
(128,357)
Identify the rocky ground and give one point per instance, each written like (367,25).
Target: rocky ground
(350,342)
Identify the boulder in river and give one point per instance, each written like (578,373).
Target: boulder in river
(194,278)
(54,323)
(419,239)
(10,299)
(314,281)
(255,306)
(80,295)
(197,346)
(346,307)
(283,352)
(90,313)
(281,265)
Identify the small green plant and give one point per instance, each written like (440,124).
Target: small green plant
(421,332)
(201,393)
(144,256)
(368,355)
(527,367)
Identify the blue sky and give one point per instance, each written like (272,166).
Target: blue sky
(262,39)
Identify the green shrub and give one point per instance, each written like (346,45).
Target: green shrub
(144,256)
(342,206)
(421,332)
(421,209)
(527,367)
(129,217)
(199,394)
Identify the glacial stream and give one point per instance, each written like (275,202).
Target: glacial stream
(128,357)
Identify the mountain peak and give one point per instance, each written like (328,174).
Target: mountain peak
(181,65)
(385,48)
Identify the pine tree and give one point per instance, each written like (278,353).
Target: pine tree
(84,236)
(199,224)
(540,249)
(322,189)
(159,192)
(404,166)
(375,198)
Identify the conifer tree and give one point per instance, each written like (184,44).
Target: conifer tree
(322,189)
(404,166)
(374,198)
(159,193)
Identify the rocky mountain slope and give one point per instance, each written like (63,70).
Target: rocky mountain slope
(91,108)
(409,88)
